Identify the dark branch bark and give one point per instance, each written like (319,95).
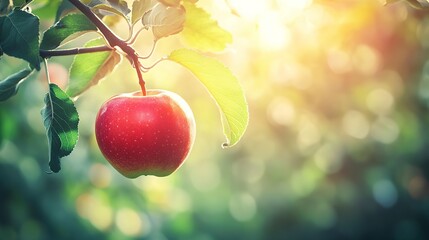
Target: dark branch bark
(74,51)
(111,37)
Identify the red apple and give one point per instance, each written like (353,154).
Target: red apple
(145,135)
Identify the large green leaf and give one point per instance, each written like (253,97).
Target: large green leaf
(61,122)
(19,36)
(223,87)
(68,28)
(202,32)
(9,86)
(88,69)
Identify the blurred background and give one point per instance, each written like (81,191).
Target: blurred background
(337,145)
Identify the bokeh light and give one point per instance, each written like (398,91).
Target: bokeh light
(336,148)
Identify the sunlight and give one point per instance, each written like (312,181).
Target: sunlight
(250,9)
(272,33)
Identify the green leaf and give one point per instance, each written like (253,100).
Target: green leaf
(202,32)
(223,87)
(68,28)
(45,9)
(9,86)
(64,8)
(140,7)
(21,3)
(61,122)
(88,69)
(19,36)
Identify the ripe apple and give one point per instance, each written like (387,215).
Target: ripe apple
(145,135)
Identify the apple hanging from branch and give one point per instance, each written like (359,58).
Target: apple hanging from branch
(149,132)
(145,135)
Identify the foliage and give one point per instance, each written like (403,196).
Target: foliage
(337,146)
(19,37)
(61,120)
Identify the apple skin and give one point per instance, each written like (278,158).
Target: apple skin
(145,135)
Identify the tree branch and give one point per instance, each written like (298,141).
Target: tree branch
(110,36)
(112,39)
(73,51)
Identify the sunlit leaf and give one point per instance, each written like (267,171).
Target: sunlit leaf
(61,122)
(117,6)
(420,4)
(103,8)
(173,3)
(223,87)
(19,36)
(140,7)
(202,32)
(9,86)
(88,69)
(165,20)
(68,28)
(46,9)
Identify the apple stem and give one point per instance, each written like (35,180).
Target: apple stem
(139,74)
(112,39)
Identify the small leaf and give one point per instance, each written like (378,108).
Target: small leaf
(165,20)
(140,7)
(19,36)
(223,87)
(202,32)
(103,8)
(68,28)
(120,6)
(88,69)
(61,123)
(9,86)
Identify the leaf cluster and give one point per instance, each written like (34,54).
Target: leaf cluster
(21,36)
